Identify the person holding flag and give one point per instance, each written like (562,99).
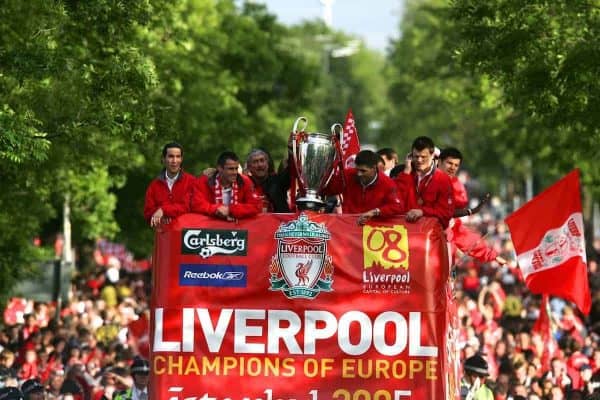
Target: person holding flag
(459,236)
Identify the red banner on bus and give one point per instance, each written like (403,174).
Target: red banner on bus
(305,307)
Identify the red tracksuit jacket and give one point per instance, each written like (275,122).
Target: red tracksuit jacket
(203,199)
(436,194)
(461,199)
(173,202)
(357,199)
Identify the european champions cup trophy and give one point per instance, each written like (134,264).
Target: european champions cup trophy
(314,156)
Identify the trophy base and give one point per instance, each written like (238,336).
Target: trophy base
(310,204)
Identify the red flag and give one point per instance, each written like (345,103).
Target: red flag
(543,326)
(547,233)
(139,335)
(350,143)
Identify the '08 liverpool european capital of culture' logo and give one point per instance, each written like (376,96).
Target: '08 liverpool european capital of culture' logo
(301,268)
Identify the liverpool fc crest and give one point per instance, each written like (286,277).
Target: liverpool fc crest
(301,268)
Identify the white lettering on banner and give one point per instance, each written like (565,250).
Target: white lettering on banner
(242,331)
(306,248)
(283,326)
(341,394)
(371,277)
(194,240)
(287,335)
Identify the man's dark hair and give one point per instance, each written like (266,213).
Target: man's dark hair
(368,158)
(422,143)
(451,152)
(226,155)
(171,145)
(388,152)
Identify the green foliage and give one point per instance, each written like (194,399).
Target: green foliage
(432,95)
(228,78)
(91,91)
(513,85)
(74,95)
(353,80)
(545,57)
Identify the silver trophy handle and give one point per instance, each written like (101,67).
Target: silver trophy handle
(295,145)
(303,119)
(338,129)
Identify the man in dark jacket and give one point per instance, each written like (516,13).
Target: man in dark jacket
(271,187)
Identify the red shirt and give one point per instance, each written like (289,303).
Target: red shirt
(469,242)
(461,199)
(174,202)
(434,192)
(381,193)
(248,204)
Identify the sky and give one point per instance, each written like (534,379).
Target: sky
(375,21)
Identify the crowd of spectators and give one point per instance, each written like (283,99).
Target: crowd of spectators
(497,317)
(86,350)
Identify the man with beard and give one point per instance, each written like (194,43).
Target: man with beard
(168,195)
(270,186)
(226,194)
(365,190)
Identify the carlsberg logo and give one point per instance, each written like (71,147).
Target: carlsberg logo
(209,242)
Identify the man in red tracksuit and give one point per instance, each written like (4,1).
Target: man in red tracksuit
(226,194)
(426,189)
(169,194)
(459,236)
(367,191)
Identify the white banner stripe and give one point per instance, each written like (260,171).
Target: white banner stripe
(557,246)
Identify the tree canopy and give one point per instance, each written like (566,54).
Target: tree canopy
(92,90)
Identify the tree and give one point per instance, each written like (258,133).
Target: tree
(432,94)
(75,92)
(544,57)
(353,80)
(229,78)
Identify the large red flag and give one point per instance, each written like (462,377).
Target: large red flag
(350,143)
(547,233)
